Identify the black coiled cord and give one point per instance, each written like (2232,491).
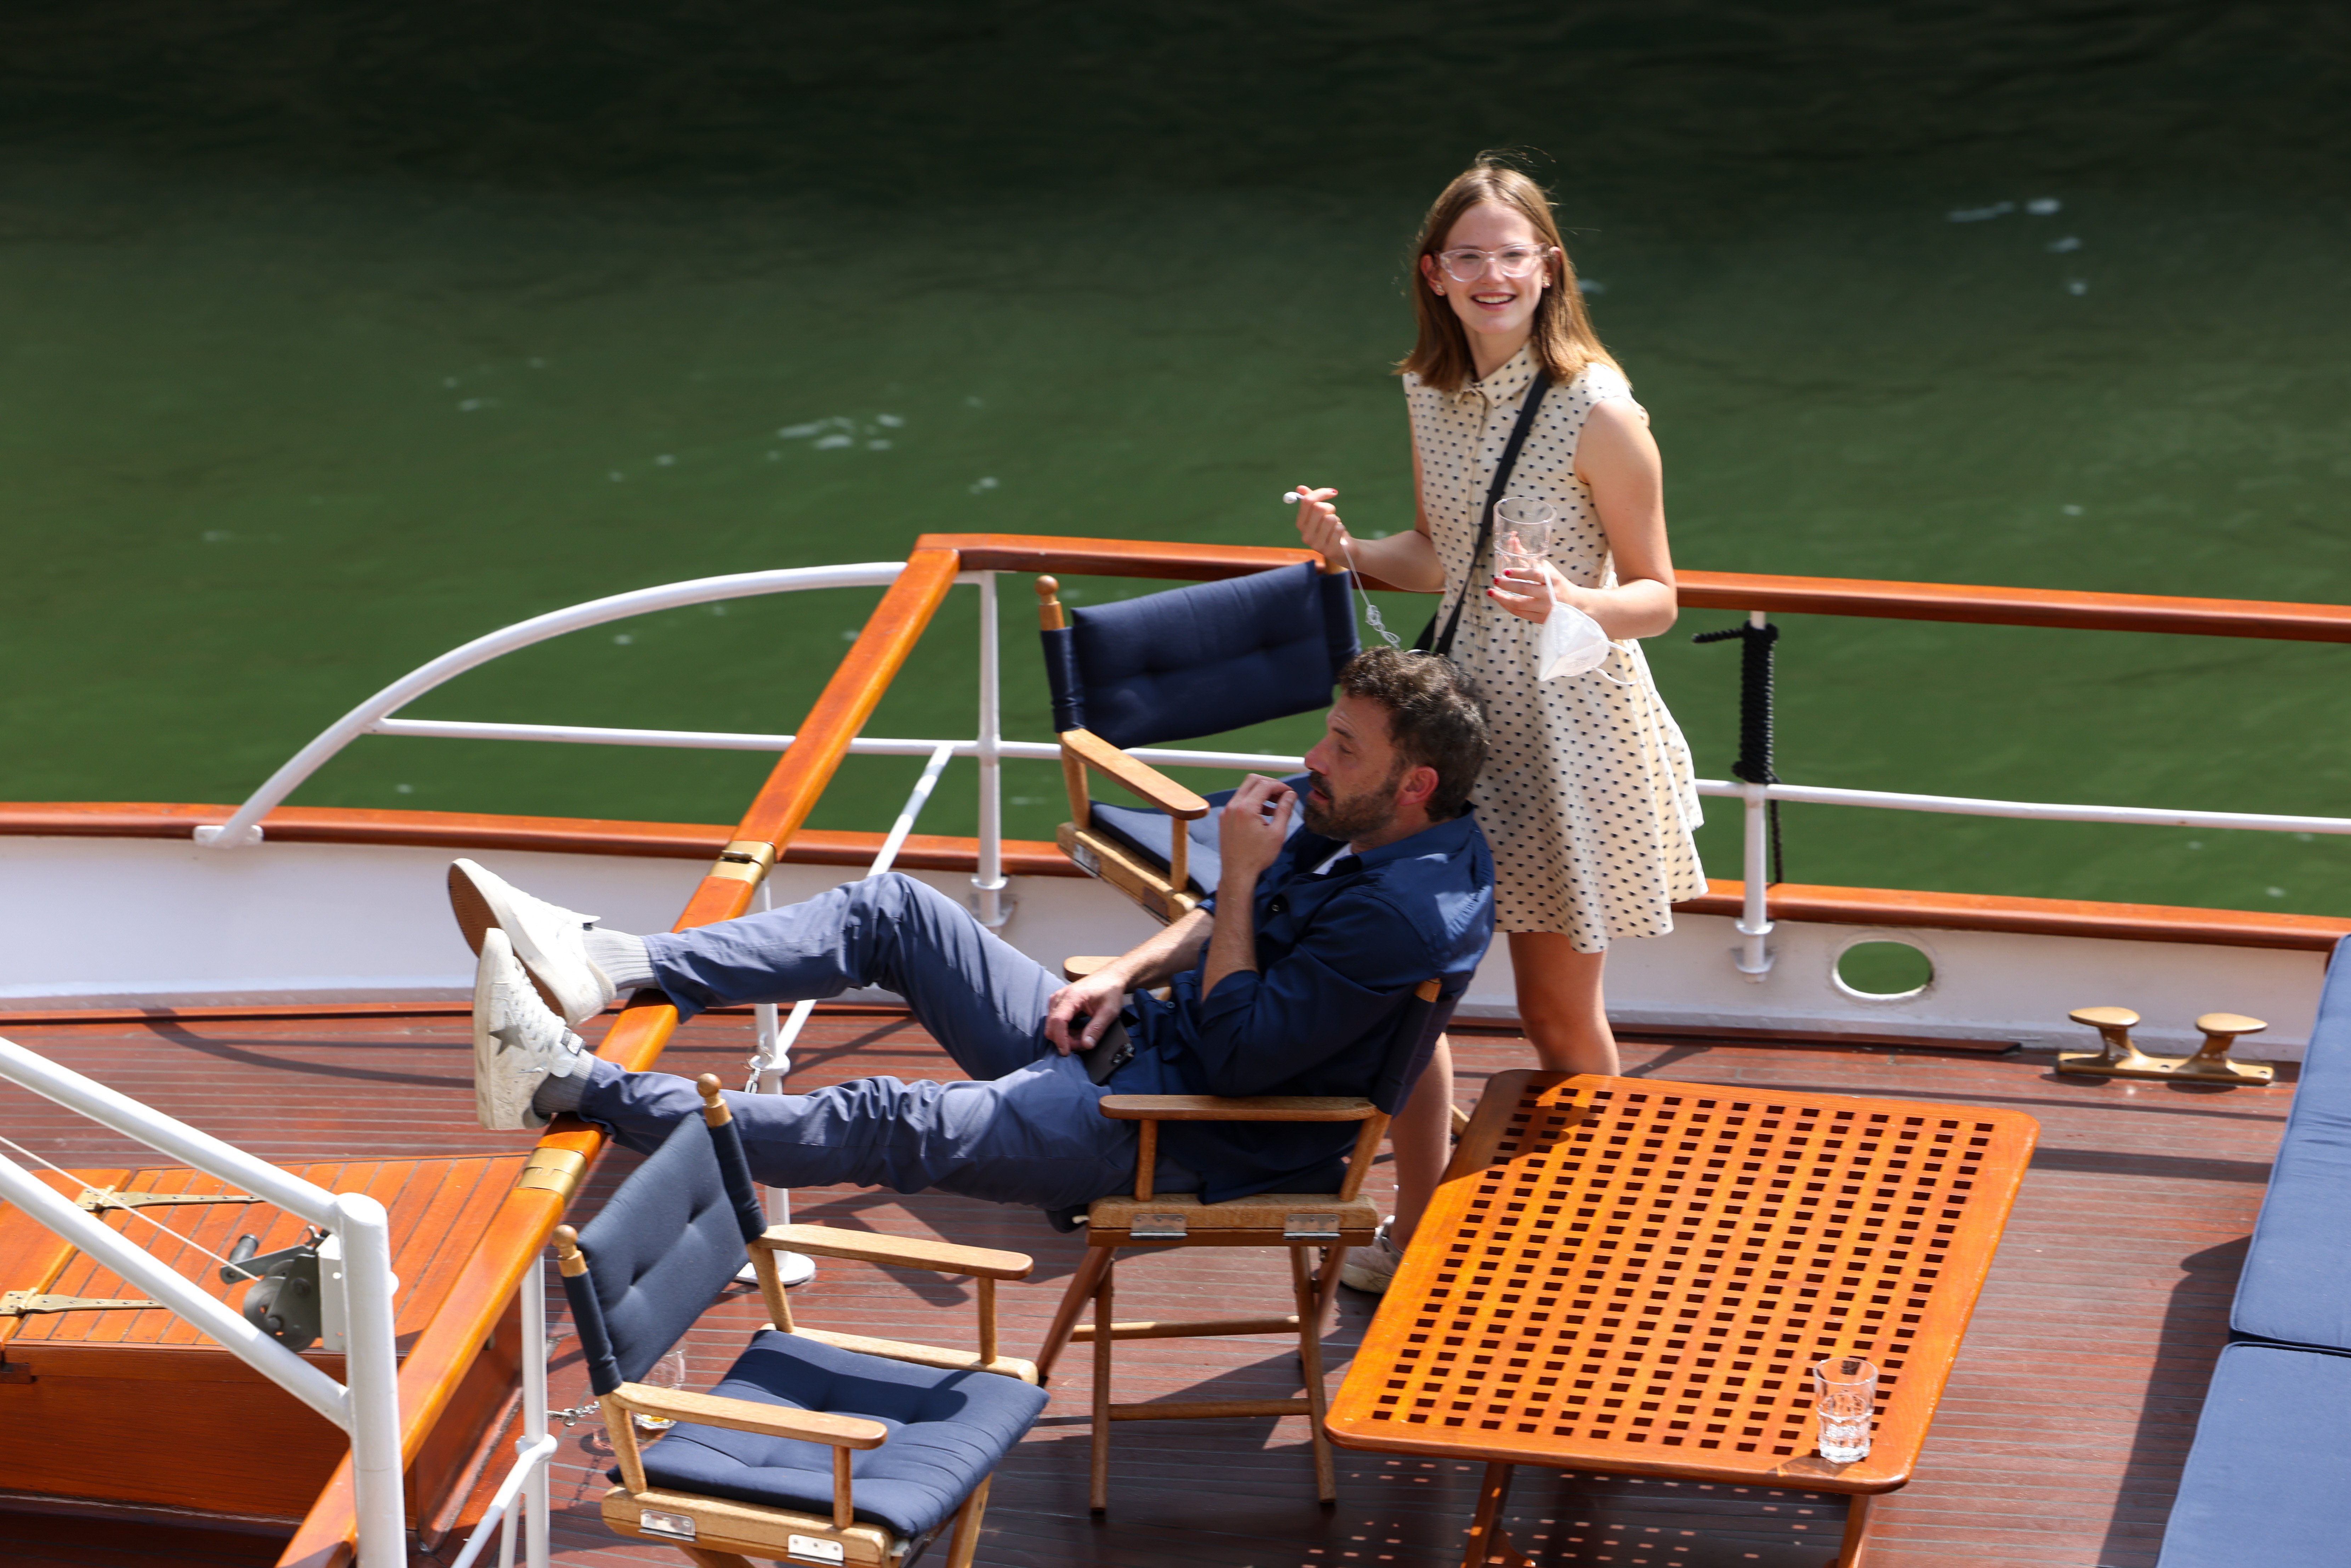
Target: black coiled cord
(1754,763)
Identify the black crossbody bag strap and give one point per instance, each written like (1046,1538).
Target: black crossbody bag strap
(1431,639)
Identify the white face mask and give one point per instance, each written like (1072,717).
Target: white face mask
(1573,644)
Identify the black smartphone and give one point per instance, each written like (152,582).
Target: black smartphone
(1111,1053)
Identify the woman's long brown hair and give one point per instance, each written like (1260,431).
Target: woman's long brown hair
(1563,340)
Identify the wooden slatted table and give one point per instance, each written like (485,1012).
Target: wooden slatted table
(1634,1276)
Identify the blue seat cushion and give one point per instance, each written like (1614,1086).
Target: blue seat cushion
(1149,832)
(2268,1477)
(947,1430)
(2296,1285)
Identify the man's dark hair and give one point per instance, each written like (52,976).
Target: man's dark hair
(1433,721)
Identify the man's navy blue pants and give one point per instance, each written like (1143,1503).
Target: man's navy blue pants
(1025,1129)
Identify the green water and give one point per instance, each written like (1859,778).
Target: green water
(334,342)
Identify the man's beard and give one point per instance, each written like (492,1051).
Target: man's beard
(1356,817)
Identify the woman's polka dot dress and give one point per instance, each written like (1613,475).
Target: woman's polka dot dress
(1587,797)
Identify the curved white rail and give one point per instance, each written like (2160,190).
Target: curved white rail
(244,826)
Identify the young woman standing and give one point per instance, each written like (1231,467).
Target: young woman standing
(1587,797)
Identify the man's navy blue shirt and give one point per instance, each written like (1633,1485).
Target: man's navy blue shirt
(1338,956)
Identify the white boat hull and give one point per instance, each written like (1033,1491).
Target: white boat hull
(94,921)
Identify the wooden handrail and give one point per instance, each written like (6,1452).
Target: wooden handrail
(445,1349)
(1112,557)
(1987,606)
(2057,607)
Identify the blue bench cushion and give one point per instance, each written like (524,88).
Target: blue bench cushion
(947,1430)
(2266,1480)
(1149,832)
(2296,1286)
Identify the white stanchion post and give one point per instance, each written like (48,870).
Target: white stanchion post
(372,1369)
(991,903)
(536,1519)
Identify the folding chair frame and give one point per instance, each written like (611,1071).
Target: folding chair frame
(1294,1221)
(716,1531)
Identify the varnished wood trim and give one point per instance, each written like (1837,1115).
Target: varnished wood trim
(1236,1108)
(908,1251)
(1144,779)
(473,830)
(1722,589)
(1984,606)
(1112,557)
(2032,917)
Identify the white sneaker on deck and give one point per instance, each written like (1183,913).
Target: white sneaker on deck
(1371,1269)
(546,937)
(519,1044)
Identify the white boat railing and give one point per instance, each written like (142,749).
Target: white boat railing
(355,1288)
(375,716)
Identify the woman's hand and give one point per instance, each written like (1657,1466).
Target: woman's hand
(1538,591)
(1320,528)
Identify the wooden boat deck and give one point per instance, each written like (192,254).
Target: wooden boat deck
(2059,1441)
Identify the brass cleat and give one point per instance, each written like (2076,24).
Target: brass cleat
(2118,1058)
(2211,1064)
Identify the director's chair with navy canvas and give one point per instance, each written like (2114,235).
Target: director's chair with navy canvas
(1295,1221)
(816,1447)
(1173,665)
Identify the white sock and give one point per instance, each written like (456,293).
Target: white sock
(621,956)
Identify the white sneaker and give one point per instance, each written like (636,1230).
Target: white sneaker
(1372,1269)
(546,937)
(518,1044)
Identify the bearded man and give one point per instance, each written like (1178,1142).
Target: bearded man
(1294,982)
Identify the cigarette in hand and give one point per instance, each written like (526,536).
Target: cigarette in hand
(1291,497)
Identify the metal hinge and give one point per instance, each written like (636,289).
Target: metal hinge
(659,1521)
(97,1198)
(23,1303)
(1158,1227)
(1310,1228)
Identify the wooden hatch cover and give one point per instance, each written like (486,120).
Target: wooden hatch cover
(135,1407)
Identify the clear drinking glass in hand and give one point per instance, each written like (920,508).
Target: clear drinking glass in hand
(1522,530)
(1845,1397)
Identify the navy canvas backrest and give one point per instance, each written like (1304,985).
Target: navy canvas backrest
(1201,659)
(659,1252)
(1409,1049)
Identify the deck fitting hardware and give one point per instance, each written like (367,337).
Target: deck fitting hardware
(553,1170)
(2121,1058)
(24,1304)
(1158,1227)
(96,1200)
(744,859)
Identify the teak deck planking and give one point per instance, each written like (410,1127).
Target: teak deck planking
(2058,1441)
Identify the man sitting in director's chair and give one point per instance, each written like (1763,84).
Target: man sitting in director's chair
(1296,991)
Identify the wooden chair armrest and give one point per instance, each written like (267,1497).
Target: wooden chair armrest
(1139,777)
(1235,1108)
(743,1415)
(908,1251)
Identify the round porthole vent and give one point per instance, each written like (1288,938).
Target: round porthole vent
(1883,971)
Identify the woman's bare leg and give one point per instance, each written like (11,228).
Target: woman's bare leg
(1421,1137)
(1559,1004)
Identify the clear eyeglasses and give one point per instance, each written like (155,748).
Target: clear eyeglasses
(1515,261)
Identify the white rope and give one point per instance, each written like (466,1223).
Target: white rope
(134,1212)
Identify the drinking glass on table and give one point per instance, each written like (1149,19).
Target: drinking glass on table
(1522,530)
(1845,1397)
